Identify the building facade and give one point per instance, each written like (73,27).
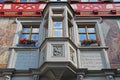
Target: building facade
(60,40)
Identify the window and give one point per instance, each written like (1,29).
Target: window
(89,0)
(87,32)
(116,0)
(23,0)
(30,32)
(27,0)
(57,29)
(58,0)
(1,0)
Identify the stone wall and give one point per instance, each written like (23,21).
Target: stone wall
(111,33)
(7,31)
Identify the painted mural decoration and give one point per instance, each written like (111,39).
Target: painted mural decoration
(7,31)
(112,40)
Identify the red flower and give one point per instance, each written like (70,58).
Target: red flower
(93,41)
(23,40)
(84,41)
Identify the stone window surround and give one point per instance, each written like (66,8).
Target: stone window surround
(92,20)
(24,21)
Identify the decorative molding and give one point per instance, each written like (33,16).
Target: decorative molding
(72,54)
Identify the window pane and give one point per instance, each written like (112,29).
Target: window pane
(23,1)
(57,24)
(93,0)
(25,36)
(34,37)
(84,0)
(82,36)
(81,30)
(32,0)
(35,30)
(91,30)
(92,36)
(58,33)
(1,0)
(26,30)
(116,0)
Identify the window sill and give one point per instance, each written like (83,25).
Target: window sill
(26,45)
(93,47)
(90,45)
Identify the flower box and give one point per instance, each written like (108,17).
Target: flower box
(25,42)
(90,43)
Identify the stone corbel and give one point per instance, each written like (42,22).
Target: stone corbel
(36,77)
(81,74)
(110,77)
(7,77)
(109,73)
(80,77)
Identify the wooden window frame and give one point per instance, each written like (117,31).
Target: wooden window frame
(86,31)
(30,33)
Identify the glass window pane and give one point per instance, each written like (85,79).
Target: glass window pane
(84,0)
(57,33)
(26,30)
(93,0)
(32,0)
(116,0)
(92,36)
(25,36)
(35,30)
(34,37)
(23,0)
(81,30)
(82,36)
(1,0)
(91,30)
(57,24)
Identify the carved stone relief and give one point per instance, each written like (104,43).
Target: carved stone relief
(57,50)
(72,54)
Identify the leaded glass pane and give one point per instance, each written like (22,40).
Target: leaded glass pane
(91,30)
(26,30)
(81,30)
(92,36)
(34,37)
(57,24)
(35,30)
(82,36)
(25,36)
(58,33)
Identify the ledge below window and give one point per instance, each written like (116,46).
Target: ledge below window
(90,47)
(26,45)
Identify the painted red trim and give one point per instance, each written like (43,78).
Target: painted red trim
(20,8)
